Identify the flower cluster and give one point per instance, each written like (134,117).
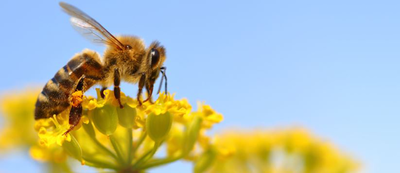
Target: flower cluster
(288,150)
(130,139)
(17,108)
(127,139)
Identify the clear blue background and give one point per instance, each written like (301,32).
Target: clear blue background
(331,66)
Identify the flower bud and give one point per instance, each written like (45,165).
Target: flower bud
(192,134)
(105,119)
(126,116)
(158,126)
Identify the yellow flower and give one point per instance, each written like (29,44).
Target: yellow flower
(165,102)
(209,115)
(175,141)
(42,154)
(18,132)
(52,130)
(17,110)
(126,139)
(290,150)
(181,111)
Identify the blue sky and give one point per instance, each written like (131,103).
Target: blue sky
(331,66)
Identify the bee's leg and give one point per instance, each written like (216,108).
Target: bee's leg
(76,109)
(150,99)
(141,85)
(149,89)
(117,90)
(102,92)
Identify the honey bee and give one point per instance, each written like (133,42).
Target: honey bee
(125,58)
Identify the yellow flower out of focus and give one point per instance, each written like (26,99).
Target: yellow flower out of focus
(288,150)
(17,111)
(127,140)
(17,108)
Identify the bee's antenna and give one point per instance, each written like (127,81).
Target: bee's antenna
(165,76)
(163,71)
(159,87)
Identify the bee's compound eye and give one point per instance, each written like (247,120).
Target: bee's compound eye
(155,57)
(128,47)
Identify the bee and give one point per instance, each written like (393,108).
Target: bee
(125,58)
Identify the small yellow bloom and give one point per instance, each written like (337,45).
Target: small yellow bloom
(181,111)
(210,116)
(89,103)
(55,133)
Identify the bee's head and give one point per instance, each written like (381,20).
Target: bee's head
(156,57)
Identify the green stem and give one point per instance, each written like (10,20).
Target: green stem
(100,145)
(141,139)
(156,145)
(99,163)
(156,163)
(147,155)
(59,167)
(130,145)
(117,149)
(106,149)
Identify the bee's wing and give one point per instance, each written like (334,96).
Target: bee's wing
(88,31)
(89,27)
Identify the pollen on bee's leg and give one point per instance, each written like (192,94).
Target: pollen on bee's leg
(76,98)
(75,115)
(76,110)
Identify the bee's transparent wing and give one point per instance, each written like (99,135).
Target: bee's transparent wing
(88,31)
(89,27)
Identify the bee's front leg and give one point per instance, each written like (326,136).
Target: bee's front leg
(76,102)
(149,89)
(141,85)
(117,90)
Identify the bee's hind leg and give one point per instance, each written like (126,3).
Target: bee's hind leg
(117,90)
(76,109)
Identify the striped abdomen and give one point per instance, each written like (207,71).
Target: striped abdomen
(54,97)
